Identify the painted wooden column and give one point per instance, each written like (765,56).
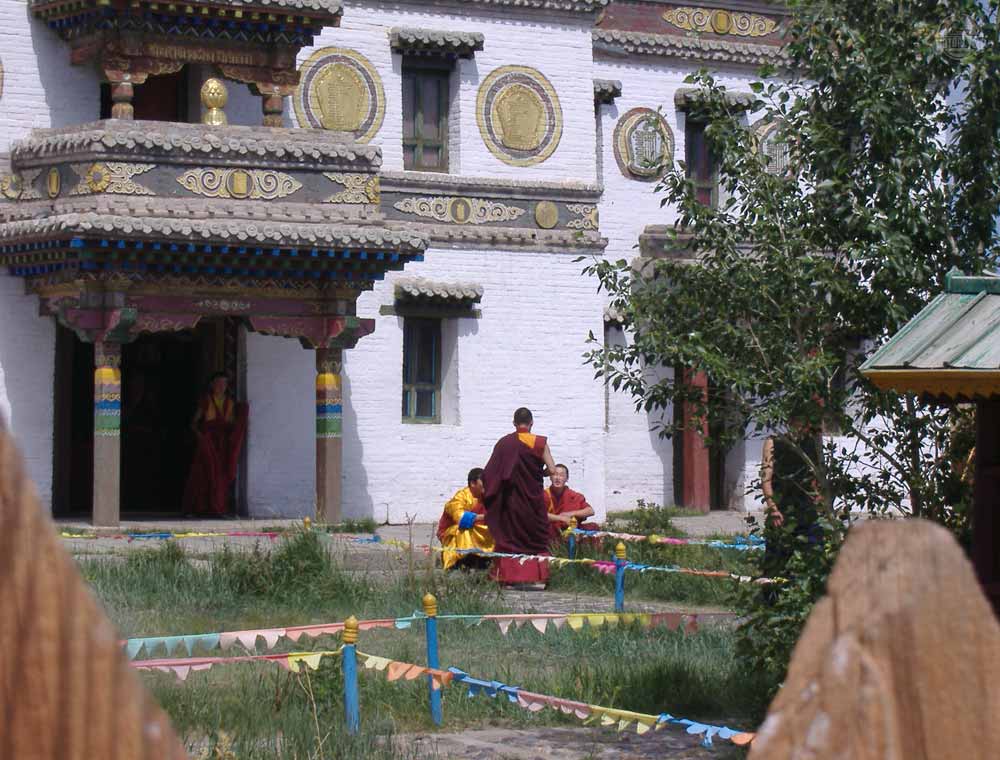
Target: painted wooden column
(695,461)
(329,443)
(986,490)
(107,432)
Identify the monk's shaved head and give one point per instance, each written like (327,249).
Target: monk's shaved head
(523,416)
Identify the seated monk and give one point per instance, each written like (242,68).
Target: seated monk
(564,504)
(463,525)
(515,502)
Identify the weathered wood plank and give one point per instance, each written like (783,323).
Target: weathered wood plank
(900,661)
(66,691)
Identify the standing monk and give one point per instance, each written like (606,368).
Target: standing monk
(220,425)
(515,501)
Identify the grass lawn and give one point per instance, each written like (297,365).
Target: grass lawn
(272,713)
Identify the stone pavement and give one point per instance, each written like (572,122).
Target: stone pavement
(583,743)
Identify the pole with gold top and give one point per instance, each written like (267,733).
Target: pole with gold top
(349,662)
(431,610)
(620,563)
(213,99)
(571,538)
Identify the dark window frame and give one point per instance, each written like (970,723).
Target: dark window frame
(413,362)
(419,73)
(702,166)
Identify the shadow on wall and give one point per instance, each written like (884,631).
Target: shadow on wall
(357,502)
(72,93)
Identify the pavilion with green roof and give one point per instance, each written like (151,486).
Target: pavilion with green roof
(950,353)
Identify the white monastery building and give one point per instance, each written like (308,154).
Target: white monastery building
(374,228)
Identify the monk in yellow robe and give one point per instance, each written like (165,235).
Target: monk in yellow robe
(463,525)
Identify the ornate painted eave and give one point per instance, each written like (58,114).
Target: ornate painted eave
(192,143)
(471,212)
(606,91)
(418,42)
(584,7)
(617,42)
(177,200)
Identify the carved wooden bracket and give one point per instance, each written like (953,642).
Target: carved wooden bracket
(316,332)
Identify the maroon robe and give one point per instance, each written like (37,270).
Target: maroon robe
(516,513)
(216,458)
(568,501)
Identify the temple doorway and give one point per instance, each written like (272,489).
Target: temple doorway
(163,376)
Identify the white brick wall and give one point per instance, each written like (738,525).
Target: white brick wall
(508,40)
(524,351)
(27,370)
(40,88)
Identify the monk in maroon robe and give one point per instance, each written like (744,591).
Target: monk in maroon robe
(565,504)
(220,425)
(516,512)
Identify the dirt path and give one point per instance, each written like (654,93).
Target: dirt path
(585,743)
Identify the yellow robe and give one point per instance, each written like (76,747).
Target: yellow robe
(476,537)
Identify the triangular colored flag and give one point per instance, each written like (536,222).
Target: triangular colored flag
(248,639)
(172,642)
(559,622)
(414,672)
(396,670)
(540,624)
(575,622)
(607,720)
(623,724)
(595,620)
(504,626)
(132,647)
(271,637)
(181,671)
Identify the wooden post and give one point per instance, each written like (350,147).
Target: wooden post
(620,563)
(986,489)
(349,661)
(329,444)
(571,538)
(695,463)
(107,433)
(431,610)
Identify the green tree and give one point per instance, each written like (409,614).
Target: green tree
(890,116)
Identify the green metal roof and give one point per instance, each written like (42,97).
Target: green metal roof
(960,329)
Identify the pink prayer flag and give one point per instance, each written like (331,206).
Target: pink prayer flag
(504,626)
(414,672)
(540,624)
(396,670)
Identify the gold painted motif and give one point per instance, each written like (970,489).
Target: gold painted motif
(519,115)
(546,214)
(29,192)
(460,210)
(358,188)
(240,184)
(110,177)
(11,186)
(340,90)
(53,182)
(587,214)
(718,21)
(214,97)
(643,144)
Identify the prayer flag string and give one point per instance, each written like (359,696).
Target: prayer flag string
(605,716)
(749,542)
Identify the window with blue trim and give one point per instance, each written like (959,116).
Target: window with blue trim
(421,369)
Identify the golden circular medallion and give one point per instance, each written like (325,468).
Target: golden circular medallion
(546,214)
(519,115)
(460,210)
(341,91)
(721,22)
(238,184)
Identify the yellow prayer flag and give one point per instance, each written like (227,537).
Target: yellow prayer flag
(575,622)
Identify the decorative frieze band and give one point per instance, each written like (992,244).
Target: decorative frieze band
(112,177)
(720,21)
(358,188)
(459,210)
(239,184)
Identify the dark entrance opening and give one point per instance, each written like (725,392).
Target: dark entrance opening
(163,376)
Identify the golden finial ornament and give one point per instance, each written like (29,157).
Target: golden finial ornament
(307,524)
(351,630)
(653,538)
(430,605)
(213,97)
(620,551)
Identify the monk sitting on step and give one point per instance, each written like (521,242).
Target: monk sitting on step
(463,525)
(566,504)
